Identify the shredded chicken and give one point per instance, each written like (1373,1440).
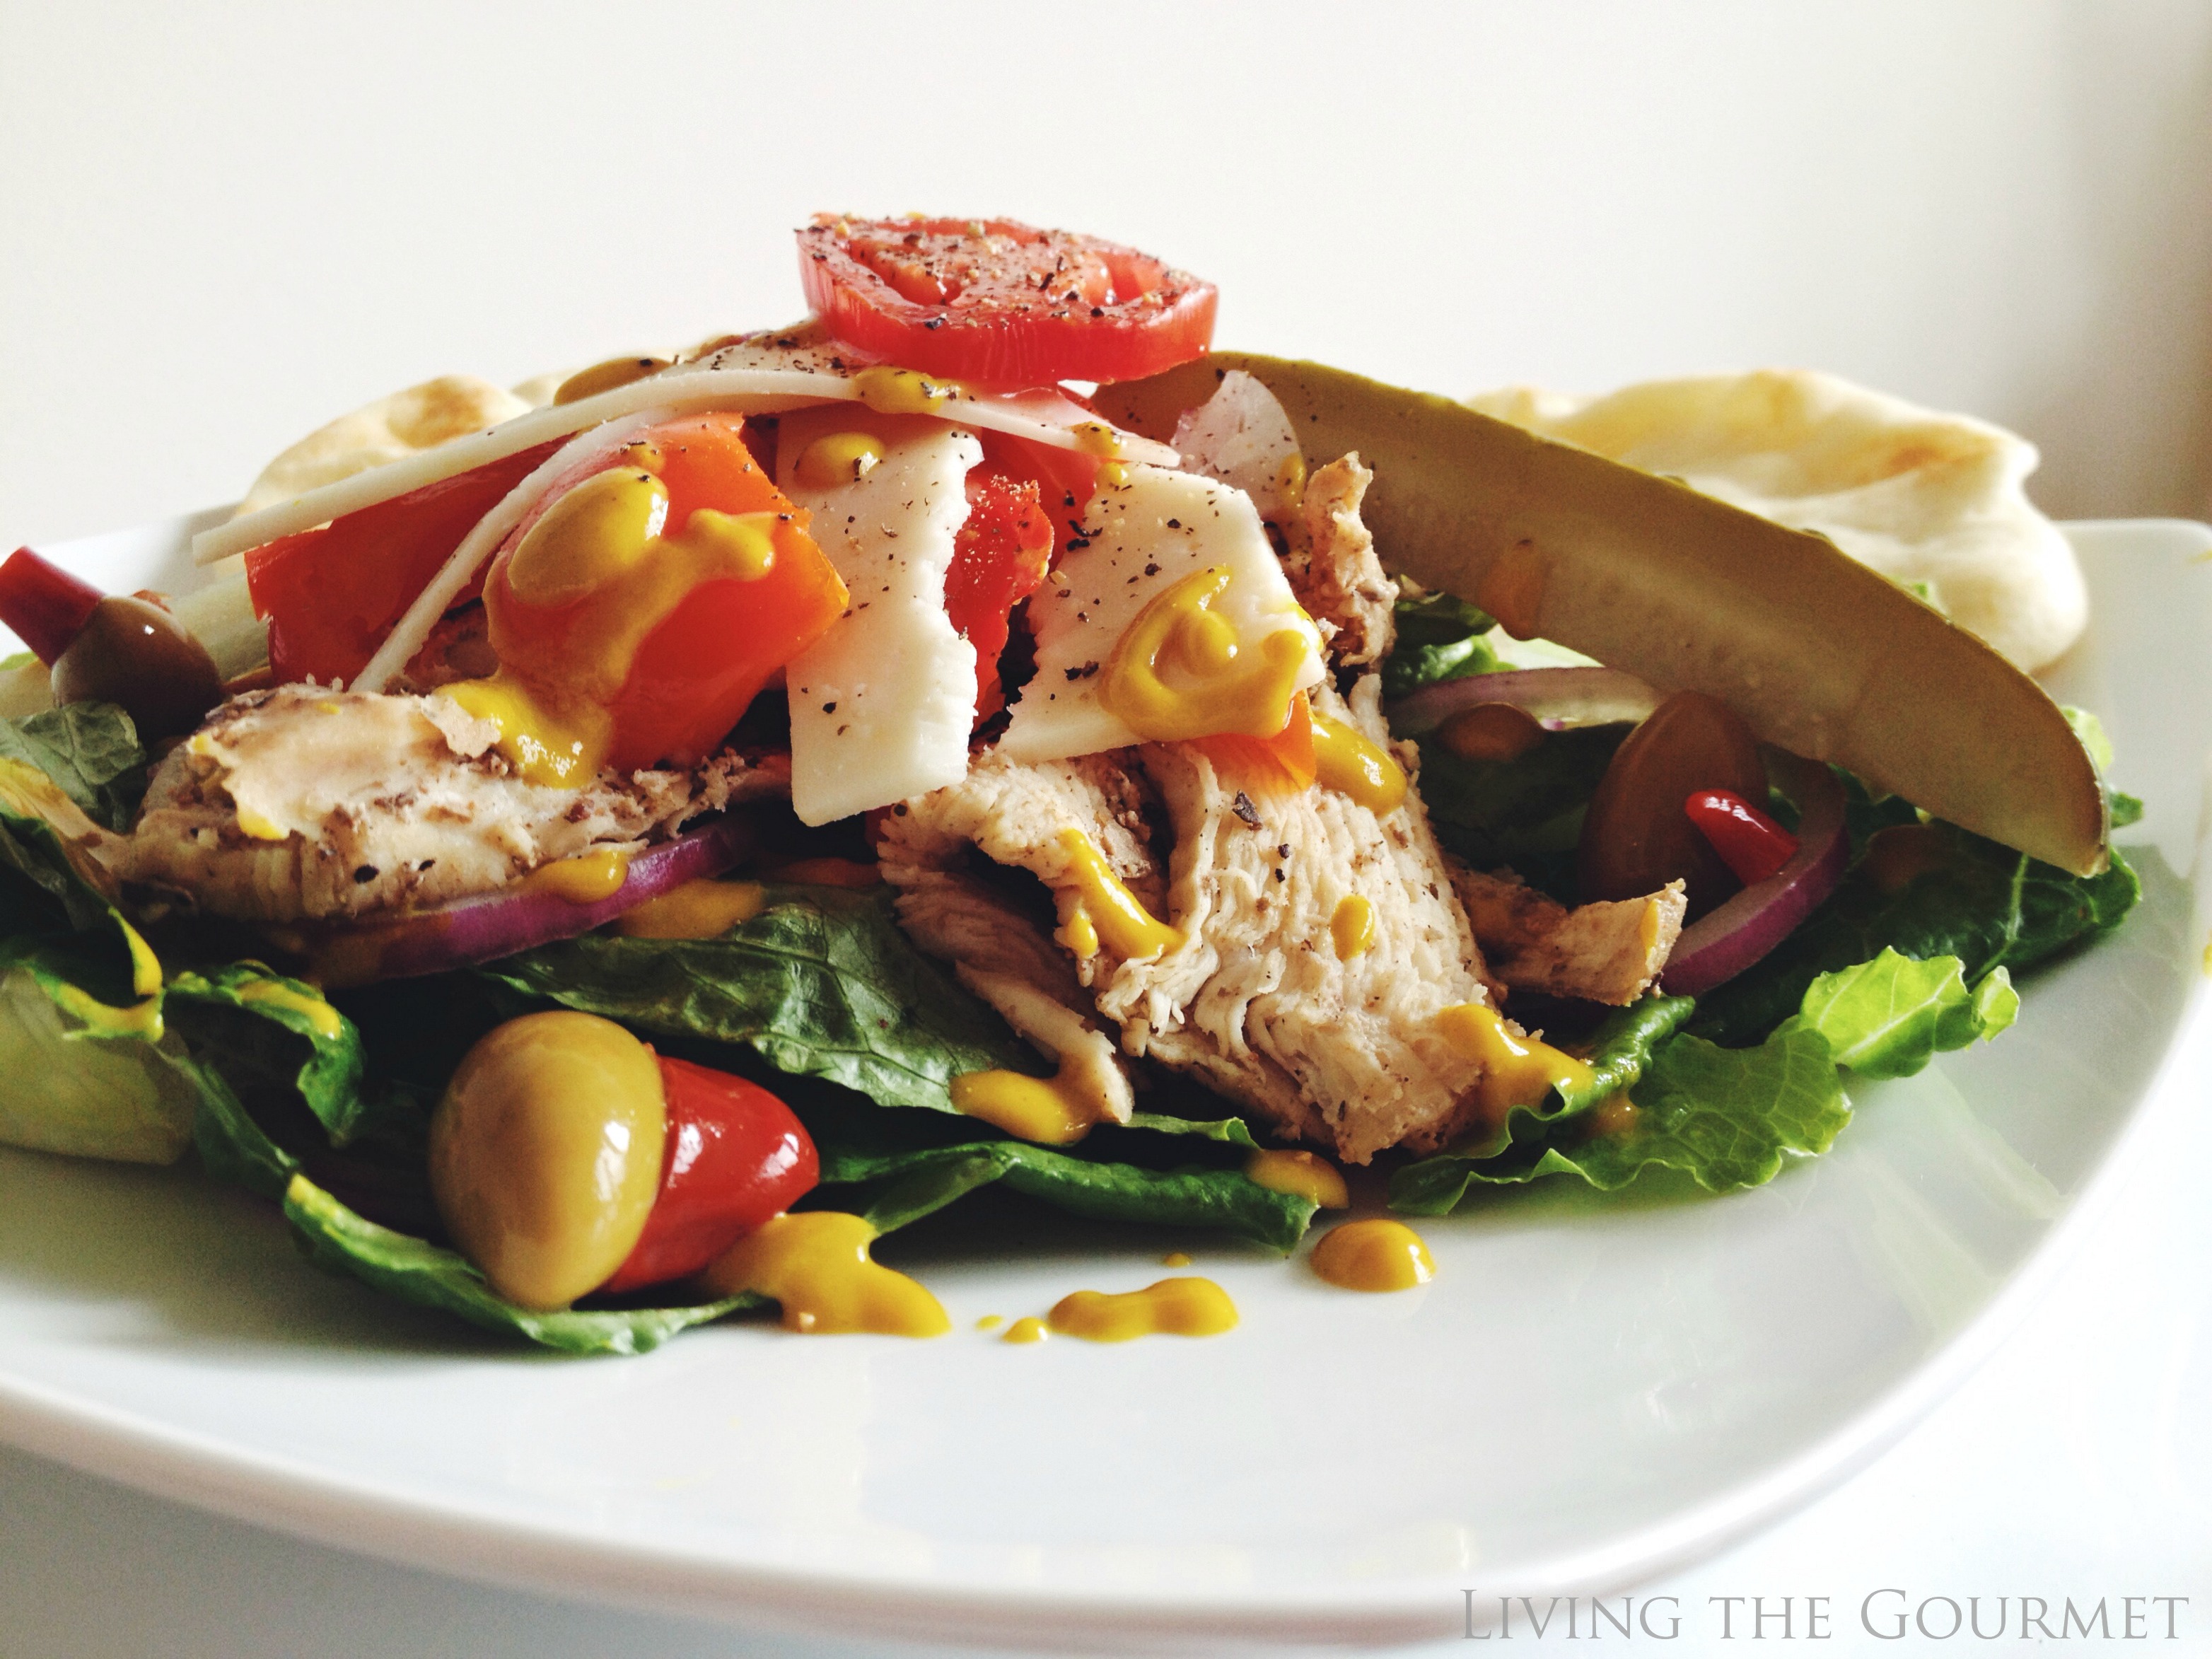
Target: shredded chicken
(1333,568)
(301,802)
(1252,997)
(1604,952)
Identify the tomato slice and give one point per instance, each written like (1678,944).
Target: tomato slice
(734,1156)
(999,557)
(330,595)
(994,301)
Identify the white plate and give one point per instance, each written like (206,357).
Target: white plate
(1591,1391)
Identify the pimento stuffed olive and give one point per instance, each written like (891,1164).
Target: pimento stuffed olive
(567,1157)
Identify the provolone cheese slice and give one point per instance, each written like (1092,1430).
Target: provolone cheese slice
(1144,535)
(882,705)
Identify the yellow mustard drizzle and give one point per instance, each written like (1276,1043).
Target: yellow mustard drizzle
(838,457)
(1291,479)
(1351,764)
(1351,926)
(1173,1307)
(259,826)
(1049,1110)
(990,1321)
(606,376)
(1107,908)
(693,909)
(1096,438)
(1302,1175)
(1615,1114)
(321,1018)
(1028,1329)
(1176,1259)
(1516,1070)
(143,1018)
(1081,938)
(584,879)
(890,390)
(816,1264)
(1374,1256)
(556,749)
(603,541)
(1229,694)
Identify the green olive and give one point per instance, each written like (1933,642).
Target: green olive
(133,653)
(1636,836)
(545,1154)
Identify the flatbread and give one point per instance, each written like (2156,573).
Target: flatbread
(421,417)
(1923,497)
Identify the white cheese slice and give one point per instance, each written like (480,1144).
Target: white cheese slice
(1144,536)
(758,375)
(882,705)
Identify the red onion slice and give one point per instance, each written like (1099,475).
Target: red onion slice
(1722,944)
(514,918)
(1555,696)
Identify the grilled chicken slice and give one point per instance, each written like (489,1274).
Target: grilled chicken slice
(1333,568)
(1604,952)
(302,803)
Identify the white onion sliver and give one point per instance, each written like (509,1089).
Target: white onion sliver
(1572,697)
(1045,417)
(413,628)
(1729,939)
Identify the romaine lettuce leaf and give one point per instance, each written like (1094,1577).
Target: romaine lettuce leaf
(338,1240)
(49,880)
(67,1086)
(821,983)
(1525,813)
(1439,638)
(91,751)
(1888,1018)
(1985,904)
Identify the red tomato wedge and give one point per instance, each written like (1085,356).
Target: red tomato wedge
(999,557)
(330,595)
(733,1157)
(697,669)
(997,301)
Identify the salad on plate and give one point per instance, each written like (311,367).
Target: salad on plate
(604,854)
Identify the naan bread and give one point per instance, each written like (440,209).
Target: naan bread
(1921,496)
(421,417)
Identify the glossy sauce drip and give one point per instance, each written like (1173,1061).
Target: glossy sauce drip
(1098,906)
(605,377)
(1096,438)
(1302,1175)
(321,1018)
(1374,1256)
(1173,1307)
(602,562)
(1516,1071)
(1221,687)
(815,1265)
(1350,763)
(890,391)
(1352,927)
(1027,1328)
(1053,1111)
(693,909)
(1616,1115)
(839,458)
(585,879)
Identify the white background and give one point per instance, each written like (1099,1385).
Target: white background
(221,224)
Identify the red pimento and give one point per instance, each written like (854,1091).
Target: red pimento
(999,557)
(733,1155)
(1751,844)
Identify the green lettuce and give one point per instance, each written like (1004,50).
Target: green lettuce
(78,1086)
(1439,638)
(338,1241)
(821,983)
(92,752)
(1984,903)
(1526,813)
(1889,1017)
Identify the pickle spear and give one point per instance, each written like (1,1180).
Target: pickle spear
(1819,655)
